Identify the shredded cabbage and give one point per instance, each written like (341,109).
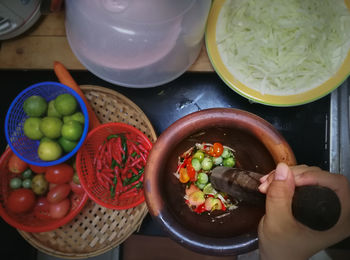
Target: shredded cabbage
(283,47)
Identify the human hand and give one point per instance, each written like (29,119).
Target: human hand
(281,236)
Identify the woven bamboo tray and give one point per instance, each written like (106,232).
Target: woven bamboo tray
(96,229)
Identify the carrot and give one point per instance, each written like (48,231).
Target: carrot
(65,78)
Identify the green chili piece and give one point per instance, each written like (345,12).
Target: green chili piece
(114,164)
(112,136)
(132,179)
(112,192)
(113,186)
(138,185)
(125,148)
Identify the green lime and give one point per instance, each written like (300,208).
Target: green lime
(77,116)
(66,144)
(208,189)
(49,151)
(35,106)
(51,127)
(45,139)
(66,104)
(72,130)
(51,110)
(31,128)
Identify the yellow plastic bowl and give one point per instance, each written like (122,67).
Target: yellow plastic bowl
(268,99)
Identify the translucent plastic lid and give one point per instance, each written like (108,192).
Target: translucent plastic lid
(136,42)
(136,11)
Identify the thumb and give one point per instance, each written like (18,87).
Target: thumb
(280,194)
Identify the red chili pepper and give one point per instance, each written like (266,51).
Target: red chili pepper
(109,152)
(142,148)
(107,179)
(190,170)
(144,159)
(129,194)
(134,171)
(223,207)
(134,147)
(119,181)
(100,180)
(200,209)
(98,164)
(119,145)
(107,172)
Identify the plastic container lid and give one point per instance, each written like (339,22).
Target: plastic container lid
(136,43)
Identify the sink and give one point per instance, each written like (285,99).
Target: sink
(339,150)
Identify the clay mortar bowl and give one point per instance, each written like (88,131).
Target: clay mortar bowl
(259,147)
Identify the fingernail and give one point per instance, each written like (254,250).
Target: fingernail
(263,187)
(281,172)
(263,178)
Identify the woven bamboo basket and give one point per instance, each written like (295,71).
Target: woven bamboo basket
(96,229)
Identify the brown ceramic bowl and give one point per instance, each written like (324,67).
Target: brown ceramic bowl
(259,147)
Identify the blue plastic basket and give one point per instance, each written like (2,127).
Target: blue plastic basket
(22,146)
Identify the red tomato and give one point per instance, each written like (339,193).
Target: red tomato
(60,209)
(76,188)
(218,148)
(16,165)
(58,193)
(52,185)
(191,171)
(37,169)
(21,200)
(215,150)
(59,174)
(42,209)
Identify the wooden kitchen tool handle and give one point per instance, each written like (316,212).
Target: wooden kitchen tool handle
(65,78)
(317,207)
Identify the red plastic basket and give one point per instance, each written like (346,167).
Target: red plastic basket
(28,221)
(87,171)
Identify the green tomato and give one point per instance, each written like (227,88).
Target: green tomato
(27,184)
(199,155)
(207,164)
(15,183)
(217,160)
(196,164)
(200,185)
(226,153)
(229,162)
(27,174)
(203,178)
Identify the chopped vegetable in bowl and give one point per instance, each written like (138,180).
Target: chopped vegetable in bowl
(283,47)
(194,168)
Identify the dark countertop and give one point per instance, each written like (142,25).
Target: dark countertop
(304,127)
